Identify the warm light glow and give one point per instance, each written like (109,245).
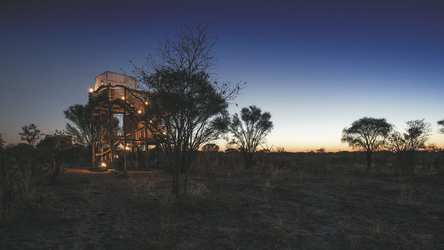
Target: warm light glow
(127,148)
(91,90)
(140,111)
(146,103)
(164,133)
(101,83)
(103,164)
(123,98)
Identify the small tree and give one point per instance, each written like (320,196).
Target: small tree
(52,149)
(249,131)
(210,147)
(80,129)
(30,134)
(368,134)
(406,144)
(83,126)
(2,159)
(190,111)
(441,123)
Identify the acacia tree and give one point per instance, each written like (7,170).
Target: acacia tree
(30,134)
(368,134)
(441,123)
(184,105)
(249,131)
(210,147)
(406,144)
(83,126)
(81,129)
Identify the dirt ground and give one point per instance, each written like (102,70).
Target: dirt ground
(255,209)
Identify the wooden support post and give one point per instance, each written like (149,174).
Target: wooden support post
(101,136)
(137,157)
(158,155)
(93,143)
(124,133)
(111,134)
(146,145)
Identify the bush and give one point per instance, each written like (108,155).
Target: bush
(20,167)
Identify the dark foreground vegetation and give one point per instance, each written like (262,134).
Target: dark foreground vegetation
(286,200)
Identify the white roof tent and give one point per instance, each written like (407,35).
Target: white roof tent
(113,79)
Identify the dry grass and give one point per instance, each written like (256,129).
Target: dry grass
(263,208)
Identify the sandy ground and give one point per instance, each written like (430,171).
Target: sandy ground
(247,210)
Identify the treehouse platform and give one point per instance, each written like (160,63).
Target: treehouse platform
(121,124)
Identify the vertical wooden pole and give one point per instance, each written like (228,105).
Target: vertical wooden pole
(111,133)
(158,155)
(137,157)
(101,135)
(124,132)
(146,145)
(92,142)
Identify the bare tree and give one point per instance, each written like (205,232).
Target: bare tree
(30,134)
(249,131)
(368,134)
(184,105)
(191,51)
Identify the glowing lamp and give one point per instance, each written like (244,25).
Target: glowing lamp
(164,133)
(146,103)
(140,111)
(104,164)
(91,90)
(123,98)
(127,148)
(101,82)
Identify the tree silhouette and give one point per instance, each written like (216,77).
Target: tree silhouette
(83,125)
(81,117)
(249,131)
(190,111)
(30,134)
(52,149)
(188,108)
(441,123)
(368,134)
(406,144)
(210,147)
(191,52)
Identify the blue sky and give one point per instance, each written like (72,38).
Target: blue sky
(316,66)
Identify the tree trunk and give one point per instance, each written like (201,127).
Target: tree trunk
(176,173)
(368,154)
(57,165)
(185,182)
(248,157)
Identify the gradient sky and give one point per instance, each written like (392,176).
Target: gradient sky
(315,65)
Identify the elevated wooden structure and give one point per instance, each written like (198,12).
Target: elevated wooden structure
(117,95)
